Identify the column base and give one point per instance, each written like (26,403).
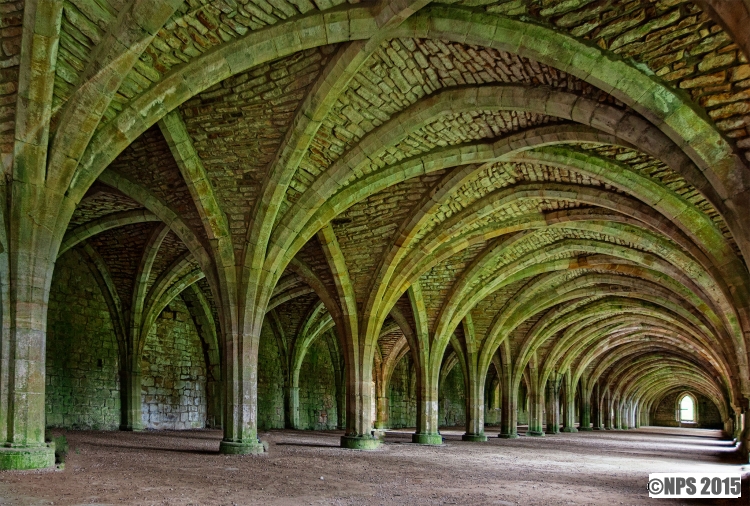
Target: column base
(18,458)
(585,429)
(508,436)
(474,437)
(381,425)
(569,429)
(360,442)
(535,433)
(552,432)
(234,448)
(427,439)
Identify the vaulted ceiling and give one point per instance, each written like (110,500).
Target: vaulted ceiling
(563,184)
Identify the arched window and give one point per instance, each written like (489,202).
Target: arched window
(687,409)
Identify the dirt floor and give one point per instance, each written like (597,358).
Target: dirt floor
(165,467)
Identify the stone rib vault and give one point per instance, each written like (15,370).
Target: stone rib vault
(553,195)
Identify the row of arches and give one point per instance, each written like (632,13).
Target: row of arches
(300,388)
(490,188)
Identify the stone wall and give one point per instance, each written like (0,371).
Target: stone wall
(270,383)
(523,405)
(83,386)
(452,400)
(709,416)
(492,403)
(317,389)
(402,400)
(174,372)
(708,413)
(11,20)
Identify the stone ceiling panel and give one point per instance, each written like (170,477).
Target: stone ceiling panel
(238,126)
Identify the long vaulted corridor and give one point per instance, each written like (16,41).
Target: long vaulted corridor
(592,469)
(486,218)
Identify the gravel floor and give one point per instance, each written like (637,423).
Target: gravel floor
(305,467)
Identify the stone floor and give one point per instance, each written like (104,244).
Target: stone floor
(308,468)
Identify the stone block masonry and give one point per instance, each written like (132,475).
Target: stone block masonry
(83,386)
(317,389)
(83,381)
(173,389)
(270,383)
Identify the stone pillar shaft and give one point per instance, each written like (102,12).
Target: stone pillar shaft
(618,417)
(359,404)
(474,408)
(381,421)
(585,420)
(427,410)
(23,356)
(745,438)
(341,406)
(536,411)
(291,407)
(240,373)
(569,421)
(596,409)
(130,397)
(553,406)
(607,413)
(508,411)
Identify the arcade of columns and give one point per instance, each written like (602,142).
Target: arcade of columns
(552,192)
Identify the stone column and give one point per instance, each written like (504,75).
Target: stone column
(474,404)
(585,416)
(618,411)
(536,411)
(552,397)
(130,395)
(359,404)
(381,422)
(240,373)
(569,424)
(745,438)
(737,433)
(617,415)
(22,350)
(596,409)
(291,407)
(607,402)
(341,406)
(508,410)
(215,409)
(728,427)
(427,409)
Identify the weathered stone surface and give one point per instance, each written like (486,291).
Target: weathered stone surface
(83,387)
(371,215)
(173,368)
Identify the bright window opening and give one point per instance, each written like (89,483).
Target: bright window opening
(687,409)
